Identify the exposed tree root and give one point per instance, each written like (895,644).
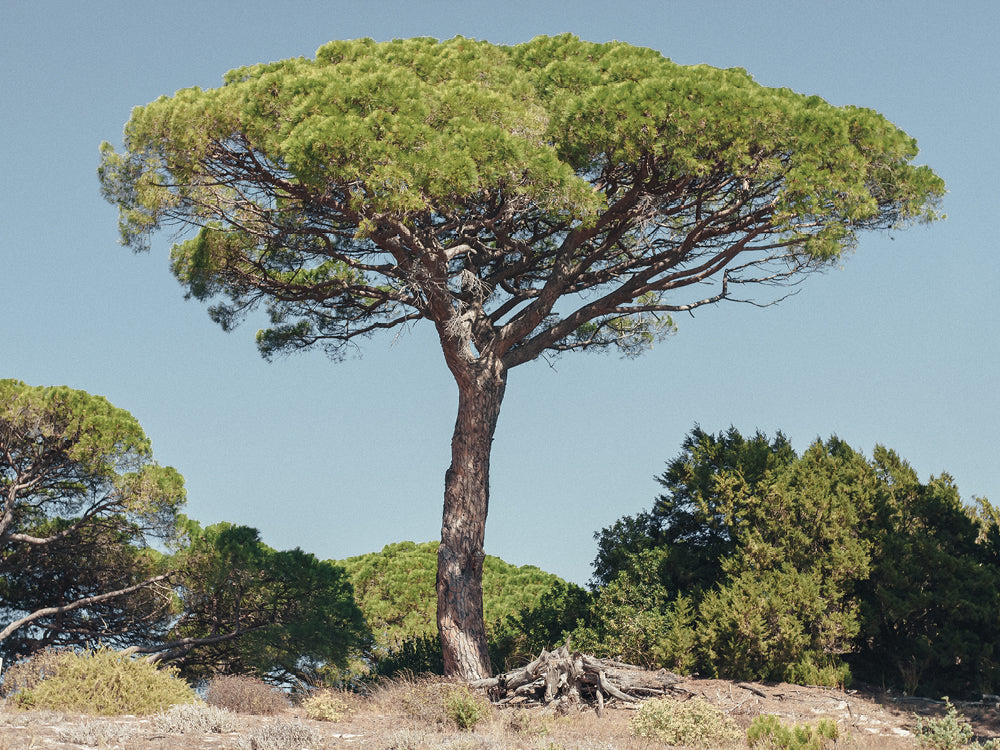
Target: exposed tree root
(568,678)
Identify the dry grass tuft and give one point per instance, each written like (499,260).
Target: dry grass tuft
(28,673)
(282,735)
(435,701)
(198,718)
(245,695)
(100,733)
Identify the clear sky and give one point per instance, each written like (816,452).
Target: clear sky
(899,347)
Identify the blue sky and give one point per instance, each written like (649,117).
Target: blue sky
(899,347)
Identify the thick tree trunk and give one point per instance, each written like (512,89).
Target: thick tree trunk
(463,527)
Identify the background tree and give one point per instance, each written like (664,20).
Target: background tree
(930,607)
(395,590)
(754,555)
(81,500)
(249,609)
(83,567)
(546,197)
(808,569)
(687,523)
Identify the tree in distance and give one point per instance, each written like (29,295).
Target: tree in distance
(81,500)
(395,590)
(759,563)
(250,609)
(546,197)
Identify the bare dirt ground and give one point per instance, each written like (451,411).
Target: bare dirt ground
(866,720)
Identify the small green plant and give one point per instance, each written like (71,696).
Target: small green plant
(768,731)
(695,722)
(950,732)
(104,683)
(464,707)
(245,695)
(433,701)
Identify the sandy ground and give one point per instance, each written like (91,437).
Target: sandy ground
(866,720)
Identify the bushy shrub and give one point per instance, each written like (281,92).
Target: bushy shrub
(105,683)
(326,705)
(694,722)
(245,695)
(197,718)
(768,731)
(834,673)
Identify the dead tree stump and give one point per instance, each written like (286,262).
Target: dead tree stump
(568,678)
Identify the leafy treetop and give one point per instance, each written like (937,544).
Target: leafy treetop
(475,185)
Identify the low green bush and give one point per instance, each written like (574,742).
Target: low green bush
(694,722)
(768,731)
(950,732)
(465,708)
(105,683)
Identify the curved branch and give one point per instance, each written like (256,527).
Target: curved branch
(97,599)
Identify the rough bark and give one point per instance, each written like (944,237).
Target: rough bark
(568,679)
(466,502)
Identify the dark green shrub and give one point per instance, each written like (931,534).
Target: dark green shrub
(418,654)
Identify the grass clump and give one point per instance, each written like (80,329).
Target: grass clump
(197,718)
(433,701)
(695,722)
(245,695)
(105,683)
(282,735)
(97,733)
(464,708)
(769,732)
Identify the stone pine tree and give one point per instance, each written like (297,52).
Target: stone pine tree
(545,197)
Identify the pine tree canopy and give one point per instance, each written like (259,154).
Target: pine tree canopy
(475,185)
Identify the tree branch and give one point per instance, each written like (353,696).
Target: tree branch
(97,599)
